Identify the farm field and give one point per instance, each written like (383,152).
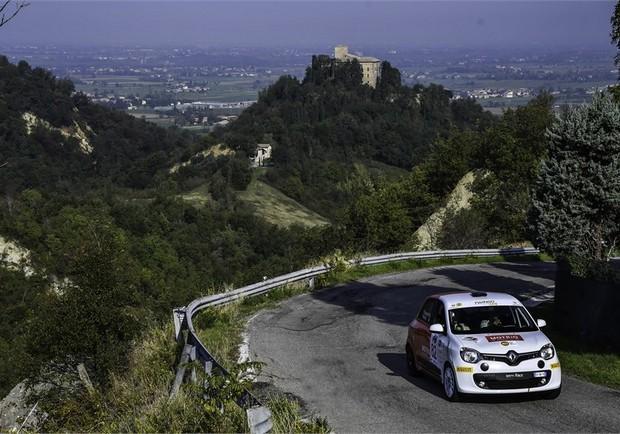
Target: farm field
(220,89)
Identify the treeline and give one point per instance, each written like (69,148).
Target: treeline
(322,125)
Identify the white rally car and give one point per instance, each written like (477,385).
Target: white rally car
(477,342)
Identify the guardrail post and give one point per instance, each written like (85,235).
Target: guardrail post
(208,368)
(180,374)
(192,357)
(208,371)
(259,420)
(311,283)
(178,315)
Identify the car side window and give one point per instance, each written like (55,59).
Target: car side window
(427,311)
(439,315)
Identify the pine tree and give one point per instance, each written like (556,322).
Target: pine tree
(576,202)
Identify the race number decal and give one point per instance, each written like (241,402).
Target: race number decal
(434,345)
(499,338)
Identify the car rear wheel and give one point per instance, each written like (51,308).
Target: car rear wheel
(450,387)
(413,370)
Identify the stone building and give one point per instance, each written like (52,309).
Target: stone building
(262,155)
(371,67)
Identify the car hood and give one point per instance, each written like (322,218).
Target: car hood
(501,343)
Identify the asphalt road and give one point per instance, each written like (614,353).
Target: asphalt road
(341,351)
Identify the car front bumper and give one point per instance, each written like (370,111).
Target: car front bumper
(500,378)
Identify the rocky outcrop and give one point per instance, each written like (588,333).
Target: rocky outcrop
(17,413)
(15,257)
(459,198)
(215,151)
(74,131)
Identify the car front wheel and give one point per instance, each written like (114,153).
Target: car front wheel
(450,387)
(554,393)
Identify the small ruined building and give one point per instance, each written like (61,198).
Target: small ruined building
(261,156)
(371,67)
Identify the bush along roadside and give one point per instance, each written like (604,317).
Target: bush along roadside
(222,328)
(596,363)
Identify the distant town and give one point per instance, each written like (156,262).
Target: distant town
(201,89)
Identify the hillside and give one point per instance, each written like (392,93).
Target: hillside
(88,193)
(277,208)
(54,139)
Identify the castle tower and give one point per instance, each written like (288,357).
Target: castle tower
(371,67)
(341,52)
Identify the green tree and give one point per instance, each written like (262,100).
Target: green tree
(449,160)
(576,204)
(390,76)
(615,31)
(379,221)
(509,156)
(615,38)
(320,70)
(92,317)
(385,218)
(463,229)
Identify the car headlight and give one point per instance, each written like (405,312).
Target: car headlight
(470,356)
(547,352)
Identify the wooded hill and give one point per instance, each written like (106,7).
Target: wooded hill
(323,124)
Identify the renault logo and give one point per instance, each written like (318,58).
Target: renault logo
(512,356)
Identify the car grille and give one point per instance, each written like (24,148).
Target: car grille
(504,357)
(517,380)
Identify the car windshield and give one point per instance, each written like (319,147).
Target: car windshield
(490,319)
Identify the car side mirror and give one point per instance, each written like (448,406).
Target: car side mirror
(541,323)
(436,328)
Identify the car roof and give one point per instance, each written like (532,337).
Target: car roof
(460,299)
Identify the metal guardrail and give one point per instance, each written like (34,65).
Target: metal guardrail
(259,417)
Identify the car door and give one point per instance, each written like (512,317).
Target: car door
(422,334)
(439,341)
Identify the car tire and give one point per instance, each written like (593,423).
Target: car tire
(554,393)
(413,370)
(450,385)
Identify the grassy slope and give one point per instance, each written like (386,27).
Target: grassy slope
(199,196)
(277,208)
(391,173)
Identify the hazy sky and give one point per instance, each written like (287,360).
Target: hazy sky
(290,23)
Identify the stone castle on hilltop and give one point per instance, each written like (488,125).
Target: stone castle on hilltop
(371,67)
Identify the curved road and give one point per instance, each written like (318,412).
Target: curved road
(340,351)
